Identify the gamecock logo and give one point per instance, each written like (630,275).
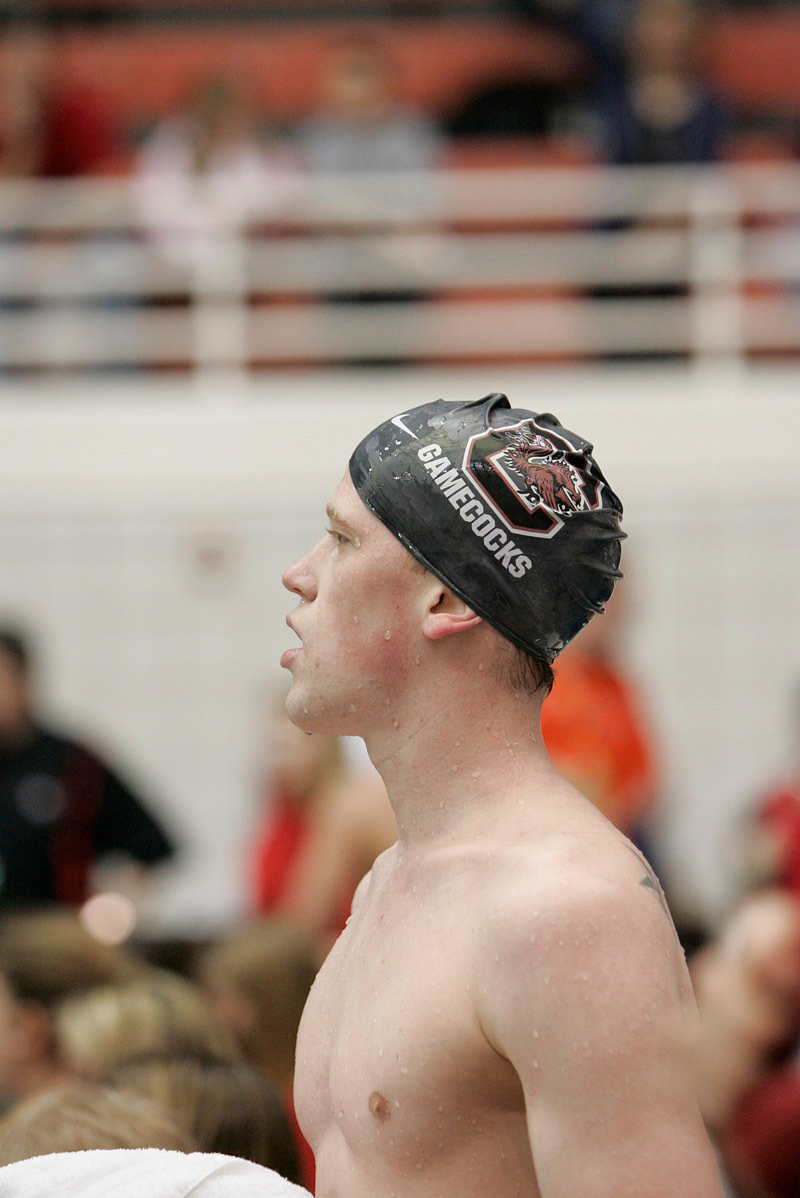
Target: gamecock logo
(530,477)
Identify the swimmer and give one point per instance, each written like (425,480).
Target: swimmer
(508,1010)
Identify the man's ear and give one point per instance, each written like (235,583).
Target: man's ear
(447,614)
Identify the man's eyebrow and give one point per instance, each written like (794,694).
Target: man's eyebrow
(339,521)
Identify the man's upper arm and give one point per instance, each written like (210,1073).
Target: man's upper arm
(586,1005)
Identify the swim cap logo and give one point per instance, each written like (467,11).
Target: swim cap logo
(526,474)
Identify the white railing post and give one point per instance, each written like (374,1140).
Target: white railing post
(219,316)
(717,333)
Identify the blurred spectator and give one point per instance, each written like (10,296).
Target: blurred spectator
(772,837)
(225,1106)
(152,1172)
(51,125)
(762,1144)
(361,125)
(204,173)
(652,104)
(156,1012)
(749,992)
(45,956)
(595,728)
(63,807)
(370,145)
(322,827)
(258,978)
(77,1118)
(657,108)
(747,984)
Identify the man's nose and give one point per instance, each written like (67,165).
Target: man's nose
(300,578)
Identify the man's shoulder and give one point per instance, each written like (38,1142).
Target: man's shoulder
(567,892)
(580,928)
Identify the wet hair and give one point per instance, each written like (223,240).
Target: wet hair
(225,1106)
(78,1118)
(524,672)
(16,646)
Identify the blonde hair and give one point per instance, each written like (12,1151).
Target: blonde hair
(158,1012)
(77,1118)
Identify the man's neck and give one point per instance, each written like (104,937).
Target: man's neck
(447,761)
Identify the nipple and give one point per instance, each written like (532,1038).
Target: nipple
(379,1107)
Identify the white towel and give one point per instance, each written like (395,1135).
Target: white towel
(142,1173)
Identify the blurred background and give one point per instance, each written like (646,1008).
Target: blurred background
(234,237)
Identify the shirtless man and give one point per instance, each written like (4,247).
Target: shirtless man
(508,1011)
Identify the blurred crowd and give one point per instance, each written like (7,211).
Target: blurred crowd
(633,87)
(113,1039)
(216,148)
(640,96)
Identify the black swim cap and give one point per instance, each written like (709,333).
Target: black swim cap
(505,506)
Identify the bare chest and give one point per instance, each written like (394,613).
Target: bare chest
(393,1071)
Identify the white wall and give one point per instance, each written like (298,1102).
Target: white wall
(111,492)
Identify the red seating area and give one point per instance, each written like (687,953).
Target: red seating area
(754,59)
(146,71)
(143,72)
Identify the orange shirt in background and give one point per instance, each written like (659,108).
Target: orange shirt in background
(595,732)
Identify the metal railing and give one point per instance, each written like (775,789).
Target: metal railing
(453,266)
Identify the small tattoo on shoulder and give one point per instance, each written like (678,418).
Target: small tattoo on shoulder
(650,881)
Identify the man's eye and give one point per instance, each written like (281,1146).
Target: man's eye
(338,537)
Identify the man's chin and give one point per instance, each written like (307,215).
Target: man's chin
(304,713)
(314,715)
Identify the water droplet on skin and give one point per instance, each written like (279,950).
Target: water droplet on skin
(476,773)
(395,723)
(403,1069)
(305,711)
(480,665)
(353,707)
(387,636)
(355,619)
(535,1064)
